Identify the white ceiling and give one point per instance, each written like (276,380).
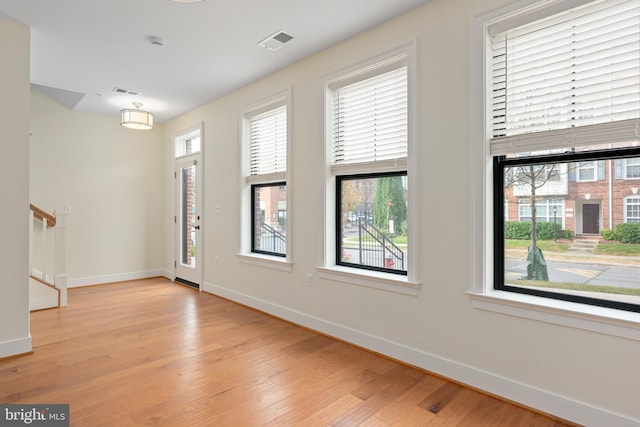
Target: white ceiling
(82,49)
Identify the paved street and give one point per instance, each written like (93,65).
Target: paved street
(592,274)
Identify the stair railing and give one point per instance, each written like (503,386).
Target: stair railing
(56,257)
(376,249)
(274,240)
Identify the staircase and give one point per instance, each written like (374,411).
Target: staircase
(47,276)
(42,295)
(375,249)
(584,243)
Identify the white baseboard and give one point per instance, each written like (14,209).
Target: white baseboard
(110,278)
(168,274)
(524,394)
(15,347)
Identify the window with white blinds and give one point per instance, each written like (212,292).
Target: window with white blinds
(368,122)
(570,79)
(268,145)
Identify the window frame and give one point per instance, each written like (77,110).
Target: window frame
(500,163)
(626,168)
(626,204)
(338,212)
(181,142)
(253,219)
(593,167)
(481,293)
(327,267)
(547,205)
(245,252)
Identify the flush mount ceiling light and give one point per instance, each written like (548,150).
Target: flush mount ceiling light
(137,119)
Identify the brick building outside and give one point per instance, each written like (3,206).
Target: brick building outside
(584,197)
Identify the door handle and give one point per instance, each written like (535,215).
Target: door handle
(197,227)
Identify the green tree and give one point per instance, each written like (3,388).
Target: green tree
(531,178)
(389,203)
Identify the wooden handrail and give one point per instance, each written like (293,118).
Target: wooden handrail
(42,215)
(44,282)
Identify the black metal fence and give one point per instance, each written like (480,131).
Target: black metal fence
(271,240)
(376,249)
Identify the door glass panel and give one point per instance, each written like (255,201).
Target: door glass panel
(189,218)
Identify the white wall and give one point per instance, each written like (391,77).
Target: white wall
(14,188)
(582,375)
(111,179)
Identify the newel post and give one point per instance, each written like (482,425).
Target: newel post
(31,216)
(60,278)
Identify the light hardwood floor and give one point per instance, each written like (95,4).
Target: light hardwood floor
(152,352)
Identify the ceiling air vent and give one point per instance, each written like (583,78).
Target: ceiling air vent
(276,40)
(125,91)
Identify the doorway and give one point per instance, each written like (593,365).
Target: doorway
(188,218)
(591,219)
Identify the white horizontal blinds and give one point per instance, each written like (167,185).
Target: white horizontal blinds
(268,143)
(572,73)
(369,117)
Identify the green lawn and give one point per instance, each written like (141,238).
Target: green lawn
(545,245)
(615,249)
(577,287)
(618,249)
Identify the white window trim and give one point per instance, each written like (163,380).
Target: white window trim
(549,208)
(266,261)
(625,169)
(244,253)
(327,268)
(481,293)
(625,204)
(185,135)
(593,167)
(608,321)
(372,279)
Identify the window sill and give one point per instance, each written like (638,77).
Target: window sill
(275,263)
(371,279)
(609,321)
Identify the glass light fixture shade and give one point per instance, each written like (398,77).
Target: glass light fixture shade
(137,119)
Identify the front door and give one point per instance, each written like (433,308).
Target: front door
(188,221)
(591,219)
